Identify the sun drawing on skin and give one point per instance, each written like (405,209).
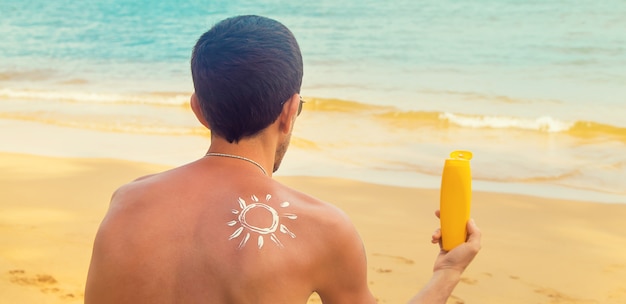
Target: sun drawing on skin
(266,221)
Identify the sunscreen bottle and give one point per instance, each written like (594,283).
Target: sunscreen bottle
(456,199)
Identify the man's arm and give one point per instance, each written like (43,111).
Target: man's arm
(448,267)
(345,274)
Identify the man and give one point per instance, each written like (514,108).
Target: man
(220,229)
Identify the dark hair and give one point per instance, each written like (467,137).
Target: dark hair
(244,68)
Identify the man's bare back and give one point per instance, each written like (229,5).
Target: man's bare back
(182,237)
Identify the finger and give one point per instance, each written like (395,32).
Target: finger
(472,229)
(436,236)
(437,213)
(474,234)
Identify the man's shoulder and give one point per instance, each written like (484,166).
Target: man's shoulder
(131,204)
(133,215)
(326,212)
(331,224)
(143,189)
(135,187)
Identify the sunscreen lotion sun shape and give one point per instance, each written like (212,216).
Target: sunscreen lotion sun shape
(456,199)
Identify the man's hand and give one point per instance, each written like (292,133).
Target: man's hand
(460,257)
(449,266)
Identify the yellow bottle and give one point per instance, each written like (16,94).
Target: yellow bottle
(456,199)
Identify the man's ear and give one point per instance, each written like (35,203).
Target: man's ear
(197,110)
(289,113)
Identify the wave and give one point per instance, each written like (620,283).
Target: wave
(590,129)
(315,104)
(389,115)
(444,120)
(411,119)
(131,126)
(151,98)
(542,124)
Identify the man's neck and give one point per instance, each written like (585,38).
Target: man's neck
(258,150)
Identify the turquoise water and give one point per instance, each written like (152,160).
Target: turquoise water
(537,89)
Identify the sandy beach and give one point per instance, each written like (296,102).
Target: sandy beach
(535,250)
(94,95)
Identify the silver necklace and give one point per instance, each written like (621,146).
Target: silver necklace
(236,157)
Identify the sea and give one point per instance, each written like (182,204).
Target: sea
(535,89)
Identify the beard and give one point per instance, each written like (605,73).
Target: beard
(280,152)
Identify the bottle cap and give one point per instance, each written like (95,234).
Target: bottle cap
(461,155)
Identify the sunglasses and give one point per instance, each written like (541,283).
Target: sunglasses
(299,106)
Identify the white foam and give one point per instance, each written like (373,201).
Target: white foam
(85,97)
(543,123)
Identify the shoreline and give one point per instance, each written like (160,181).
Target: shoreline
(534,249)
(300,160)
(379,144)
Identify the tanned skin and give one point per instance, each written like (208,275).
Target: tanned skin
(165,237)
